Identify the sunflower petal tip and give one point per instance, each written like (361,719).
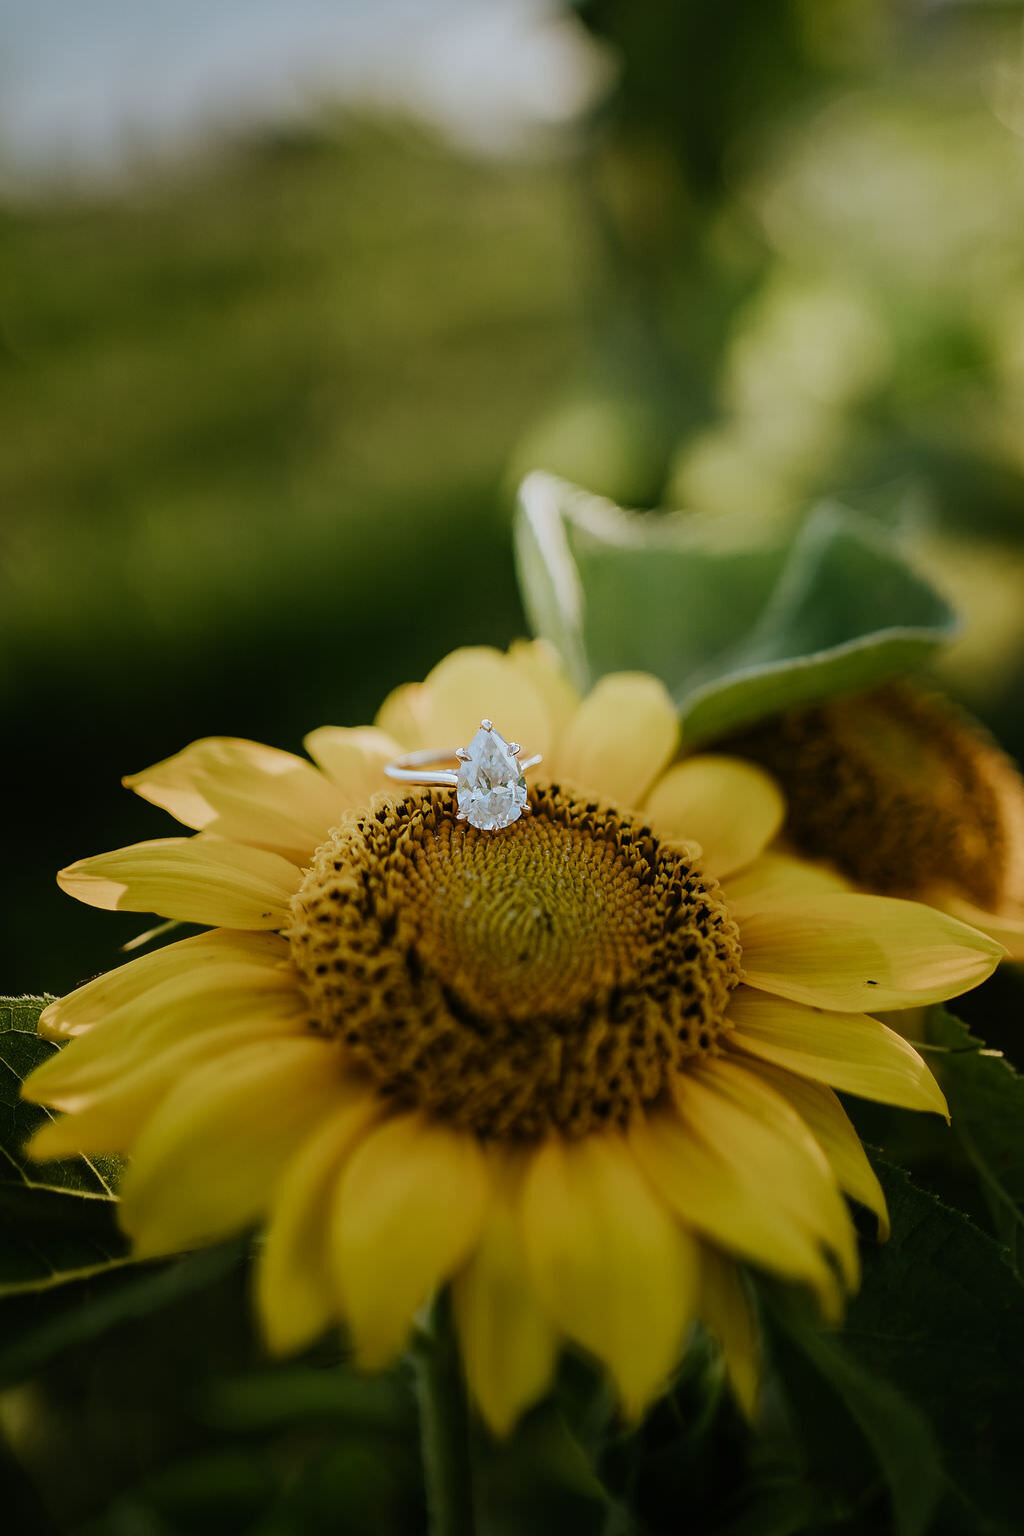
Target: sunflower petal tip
(29,1091)
(82,882)
(50,1024)
(279,1340)
(499,1419)
(633,1404)
(148,1241)
(38,1148)
(376,1354)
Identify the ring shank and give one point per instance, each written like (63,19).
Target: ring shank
(408,769)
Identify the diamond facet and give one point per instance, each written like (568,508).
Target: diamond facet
(491,789)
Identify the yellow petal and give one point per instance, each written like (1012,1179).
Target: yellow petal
(404,716)
(724,1200)
(208,1162)
(192,1003)
(859,953)
(761,1132)
(731,808)
(1005,927)
(84,1007)
(610,1265)
(194,879)
(540,664)
(353,758)
(777,877)
(296,1292)
(726,1309)
(244,791)
(408,1213)
(111,1117)
(830,1125)
(852,1051)
(619,739)
(509,1346)
(476,683)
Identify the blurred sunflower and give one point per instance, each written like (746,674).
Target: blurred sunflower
(579,1067)
(905,794)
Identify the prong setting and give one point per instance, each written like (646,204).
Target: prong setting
(490,783)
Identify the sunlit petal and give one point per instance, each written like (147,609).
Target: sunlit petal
(859,953)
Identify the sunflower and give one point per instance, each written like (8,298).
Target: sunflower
(580,1069)
(906,795)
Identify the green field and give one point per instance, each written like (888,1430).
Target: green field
(257,416)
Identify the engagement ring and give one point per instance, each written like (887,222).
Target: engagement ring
(490,781)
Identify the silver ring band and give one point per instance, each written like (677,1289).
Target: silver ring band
(407,769)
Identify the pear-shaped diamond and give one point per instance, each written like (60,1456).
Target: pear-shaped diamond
(491,789)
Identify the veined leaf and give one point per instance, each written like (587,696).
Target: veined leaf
(21,1051)
(986,1100)
(735,630)
(57,1220)
(925,1369)
(856,1402)
(940,1317)
(38,1326)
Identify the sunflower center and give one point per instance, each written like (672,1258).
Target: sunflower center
(899,790)
(552,975)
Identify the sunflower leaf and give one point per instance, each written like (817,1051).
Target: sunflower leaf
(57,1220)
(843,1411)
(540,1481)
(986,1100)
(736,630)
(39,1326)
(921,1368)
(940,1314)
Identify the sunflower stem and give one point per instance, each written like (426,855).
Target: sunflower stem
(444,1426)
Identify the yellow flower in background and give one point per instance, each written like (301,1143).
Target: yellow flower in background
(579,1068)
(906,795)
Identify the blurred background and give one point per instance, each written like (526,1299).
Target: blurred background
(290,296)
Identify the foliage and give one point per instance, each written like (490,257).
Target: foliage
(985,1094)
(58,1221)
(736,631)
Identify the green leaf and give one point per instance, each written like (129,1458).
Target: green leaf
(541,1482)
(57,1220)
(940,1317)
(898,1437)
(38,1326)
(222,1490)
(922,1375)
(22,1049)
(300,1394)
(986,1101)
(24,1510)
(735,630)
